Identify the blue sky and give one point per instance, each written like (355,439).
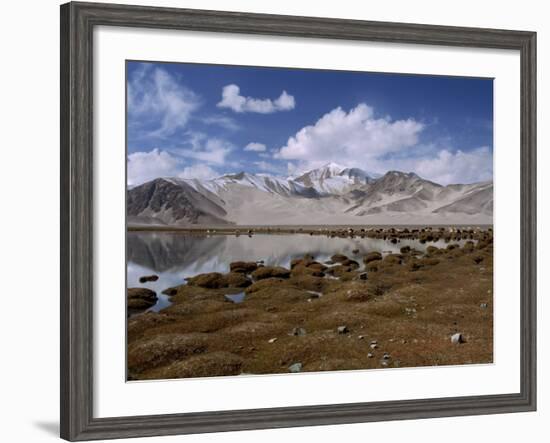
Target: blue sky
(201,121)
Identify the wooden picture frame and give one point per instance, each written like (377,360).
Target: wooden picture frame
(77,23)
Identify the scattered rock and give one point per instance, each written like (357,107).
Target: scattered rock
(147,278)
(298,332)
(386,356)
(355,251)
(370,355)
(457,338)
(295,367)
(483,305)
(363,276)
(272,340)
(373,346)
(342,329)
(405,249)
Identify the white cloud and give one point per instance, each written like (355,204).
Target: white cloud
(351,138)
(232,99)
(270,167)
(358,139)
(223,121)
(206,149)
(146,166)
(157,102)
(255,147)
(200,171)
(446,167)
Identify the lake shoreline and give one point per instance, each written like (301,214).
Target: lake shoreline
(398,309)
(297,229)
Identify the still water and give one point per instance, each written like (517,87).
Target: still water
(175,256)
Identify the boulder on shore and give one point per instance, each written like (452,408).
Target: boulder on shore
(215,280)
(243,267)
(372,256)
(140,299)
(339,258)
(147,278)
(270,271)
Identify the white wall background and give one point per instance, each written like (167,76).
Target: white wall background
(29,184)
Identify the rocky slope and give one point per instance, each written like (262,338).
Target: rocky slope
(327,195)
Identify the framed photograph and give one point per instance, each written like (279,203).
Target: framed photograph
(273,221)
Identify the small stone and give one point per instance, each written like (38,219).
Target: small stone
(298,332)
(342,329)
(386,356)
(370,355)
(360,337)
(483,305)
(374,346)
(363,276)
(295,367)
(272,340)
(147,278)
(457,338)
(373,342)
(384,363)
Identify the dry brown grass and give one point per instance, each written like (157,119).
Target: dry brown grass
(410,311)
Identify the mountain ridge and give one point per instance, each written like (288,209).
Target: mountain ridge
(331,194)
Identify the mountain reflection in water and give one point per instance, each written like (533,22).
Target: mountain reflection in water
(175,256)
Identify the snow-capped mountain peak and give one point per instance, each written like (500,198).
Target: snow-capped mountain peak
(337,194)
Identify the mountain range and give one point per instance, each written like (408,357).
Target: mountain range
(332,194)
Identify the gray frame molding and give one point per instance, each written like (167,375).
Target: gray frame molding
(77,24)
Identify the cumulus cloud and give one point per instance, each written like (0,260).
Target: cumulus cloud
(158,105)
(255,147)
(359,139)
(353,137)
(232,99)
(199,160)
(146,166)
(447,167)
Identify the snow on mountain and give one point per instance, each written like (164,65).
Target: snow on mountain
(334,179)
(332,194)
